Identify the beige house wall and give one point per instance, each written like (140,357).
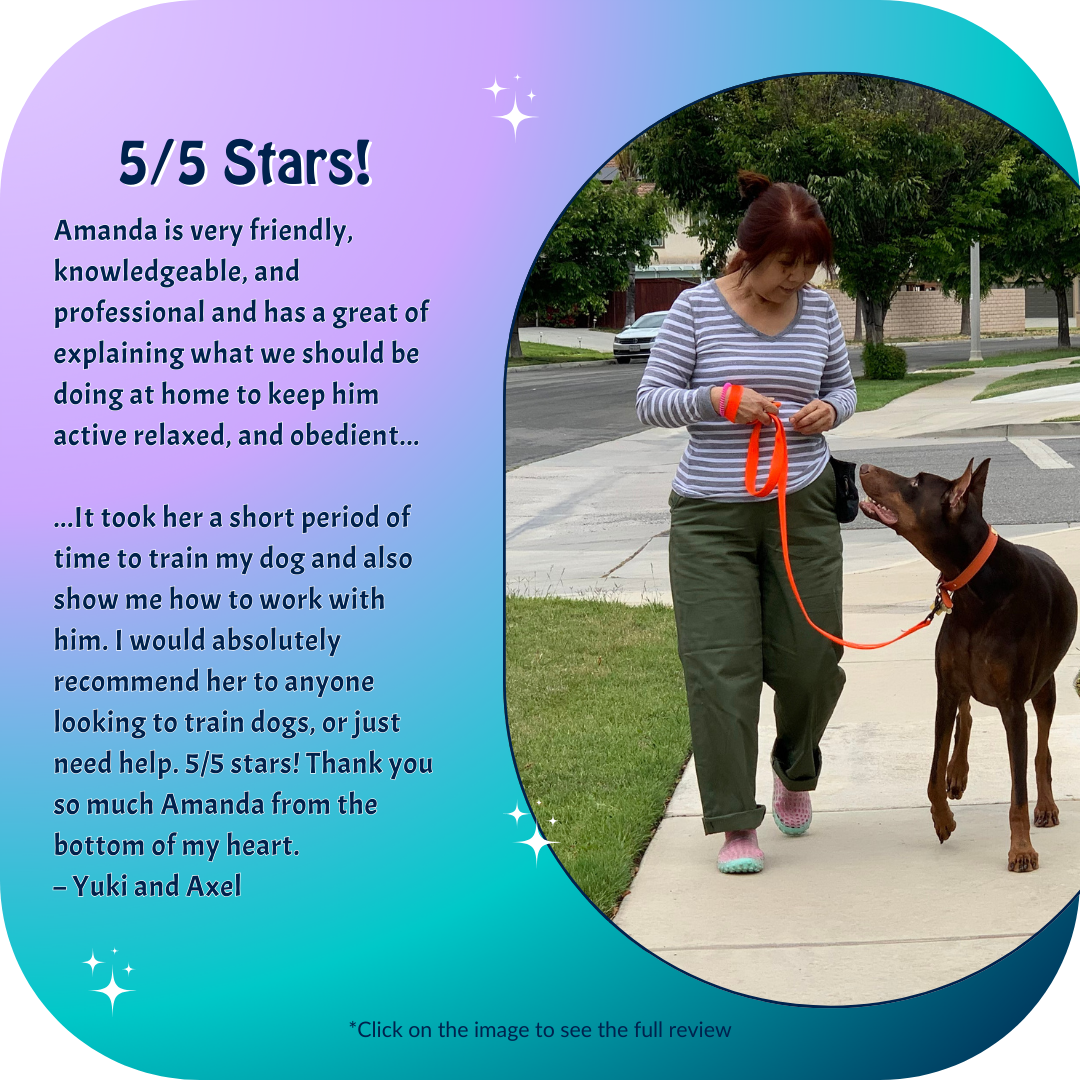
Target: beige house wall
(678,247)
(932,314)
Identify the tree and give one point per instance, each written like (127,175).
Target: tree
(1041,241)
(973,213)
(605,229)
(880,156)
(627,164)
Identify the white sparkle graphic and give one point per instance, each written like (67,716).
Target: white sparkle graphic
(114,952)
(129,969)
(517,76)
(495,87)
(537,843)
(515,116)
(93,961)
(112,991)
(530,95)
(552,821)
(517,814)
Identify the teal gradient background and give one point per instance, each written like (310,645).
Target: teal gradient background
(430,911)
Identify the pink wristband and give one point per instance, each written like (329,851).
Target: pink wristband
(723,398)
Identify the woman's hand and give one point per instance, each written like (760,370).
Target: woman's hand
(814,418)
(754,408)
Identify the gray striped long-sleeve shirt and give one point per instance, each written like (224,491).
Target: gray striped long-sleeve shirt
(702,344)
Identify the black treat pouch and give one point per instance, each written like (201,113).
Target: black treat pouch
(847,494)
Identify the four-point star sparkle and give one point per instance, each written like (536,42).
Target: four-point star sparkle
(537,843)
(93,961)
(517,814)
(515,116)
(112,991)
(495,88)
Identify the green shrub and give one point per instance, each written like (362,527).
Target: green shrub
(884,361)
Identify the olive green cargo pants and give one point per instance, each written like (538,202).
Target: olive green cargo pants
(739,624)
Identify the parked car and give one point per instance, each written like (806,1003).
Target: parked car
(636,340)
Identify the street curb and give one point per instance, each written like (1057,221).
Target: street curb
(560,364)
(903,342)
(998,431)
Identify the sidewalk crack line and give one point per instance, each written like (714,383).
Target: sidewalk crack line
(635,555)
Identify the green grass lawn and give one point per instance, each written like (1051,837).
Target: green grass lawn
(598,719)
(537,353)
(1062,420)
(1030,380)
(873,393)
(1031,356)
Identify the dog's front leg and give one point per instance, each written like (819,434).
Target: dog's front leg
(948,701)
(956,775)
(1022,856)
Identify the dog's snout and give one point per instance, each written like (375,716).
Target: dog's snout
(864,469)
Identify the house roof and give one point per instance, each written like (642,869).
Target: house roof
(610,173)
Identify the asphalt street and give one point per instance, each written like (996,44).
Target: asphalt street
(1018,492)
(554,409)
(930,354)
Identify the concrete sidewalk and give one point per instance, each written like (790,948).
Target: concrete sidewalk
(948,407)
(868,905)
(569,337)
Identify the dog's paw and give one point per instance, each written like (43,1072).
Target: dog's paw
(1021,860)
(956,783)
(944,822)
(1046,815)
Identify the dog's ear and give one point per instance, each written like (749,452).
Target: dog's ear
(978,482)
(956,496)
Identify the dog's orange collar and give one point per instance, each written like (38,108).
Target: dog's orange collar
(947,588)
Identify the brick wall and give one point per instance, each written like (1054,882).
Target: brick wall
(931,314)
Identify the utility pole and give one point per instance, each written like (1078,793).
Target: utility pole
(976,351)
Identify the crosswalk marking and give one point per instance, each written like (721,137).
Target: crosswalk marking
(1040,453)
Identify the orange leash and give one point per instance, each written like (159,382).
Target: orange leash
(777,479)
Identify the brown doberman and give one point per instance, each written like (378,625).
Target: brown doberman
(1009,627)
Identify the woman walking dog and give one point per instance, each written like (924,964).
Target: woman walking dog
(728,351)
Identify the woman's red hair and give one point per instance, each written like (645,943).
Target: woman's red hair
(780,218)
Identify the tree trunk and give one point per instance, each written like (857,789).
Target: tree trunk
(515,344)
(631,296)
(965,317)
(875,312)
(858,319)
(1064,341)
